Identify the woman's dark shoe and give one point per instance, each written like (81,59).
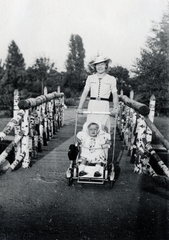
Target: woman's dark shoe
(97,174)
(82,173)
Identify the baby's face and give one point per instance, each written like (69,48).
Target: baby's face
(93,130)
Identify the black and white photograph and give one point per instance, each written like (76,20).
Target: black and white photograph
(84,119)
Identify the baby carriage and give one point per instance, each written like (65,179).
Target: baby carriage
(97,155)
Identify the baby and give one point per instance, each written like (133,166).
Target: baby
(93,143)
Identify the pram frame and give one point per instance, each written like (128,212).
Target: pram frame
(72,172)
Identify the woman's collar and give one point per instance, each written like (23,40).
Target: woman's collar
(101,76)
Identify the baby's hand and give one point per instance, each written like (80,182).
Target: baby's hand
(79,142)
(105,146)
(108,142)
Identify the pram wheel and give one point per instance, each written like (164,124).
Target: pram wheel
(111,183)
(75,171)
(112,175)
(69,176)
(106,174)
(69,181)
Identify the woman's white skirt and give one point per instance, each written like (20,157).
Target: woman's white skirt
(99,106)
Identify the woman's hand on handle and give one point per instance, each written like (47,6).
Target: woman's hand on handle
(80,111)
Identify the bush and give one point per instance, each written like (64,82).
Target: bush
(164,112)
(6,114)
(71,101)
(67,92)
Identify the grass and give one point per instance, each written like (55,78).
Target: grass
(3,122)
(162,124)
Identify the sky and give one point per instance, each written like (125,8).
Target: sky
(117,29)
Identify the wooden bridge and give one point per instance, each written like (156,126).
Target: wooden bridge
(36,203)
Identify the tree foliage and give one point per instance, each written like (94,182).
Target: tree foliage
(14,75)
(151,70)
(15,66)
(41,68)
(122,76)
(75,64)
(43,73)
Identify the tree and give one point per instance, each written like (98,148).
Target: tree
(14,75)
(15,66)
(122,76)
(2,75)
(42,73)
(152,69)
(75,64)
(42,67)
(55,79)
(90,68)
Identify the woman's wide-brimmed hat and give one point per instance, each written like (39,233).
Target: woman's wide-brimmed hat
(100,59)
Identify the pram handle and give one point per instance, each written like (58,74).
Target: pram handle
(90,112)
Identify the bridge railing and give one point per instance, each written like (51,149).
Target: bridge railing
(34,122)
(135,126)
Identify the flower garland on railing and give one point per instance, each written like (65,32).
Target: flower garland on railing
(35,122)
(135,128)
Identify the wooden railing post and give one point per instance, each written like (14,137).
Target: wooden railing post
(140,146)
(25,140)
(132,94)
(121,92)
(17,127)
(132,127)
(131,124)
(63,107)
(44,109)
(58,89)
(39,127)
(151,117)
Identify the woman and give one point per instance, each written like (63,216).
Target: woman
(100,85)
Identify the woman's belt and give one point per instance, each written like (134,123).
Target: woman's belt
(99,98)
